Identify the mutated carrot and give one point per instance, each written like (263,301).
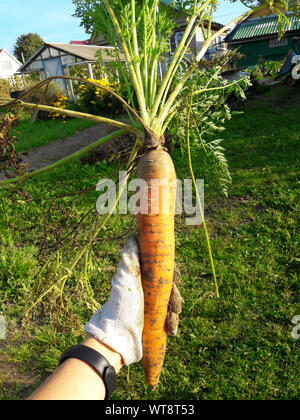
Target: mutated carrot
(157,249)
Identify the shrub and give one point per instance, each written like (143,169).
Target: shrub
(61,102)
(225,62)
(94,100)
(265,70)
(4,89)
(272,68)
(44,96)
(256,73)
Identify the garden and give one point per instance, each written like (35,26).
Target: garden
(236,271)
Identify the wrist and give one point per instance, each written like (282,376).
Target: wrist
(112,356)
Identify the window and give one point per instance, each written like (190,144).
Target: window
(36,65)
(5,66)
(175,40)
(67,59)
(273,43)
(54,52)
(46,54)
(219,43)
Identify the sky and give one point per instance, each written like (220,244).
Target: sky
(53,20)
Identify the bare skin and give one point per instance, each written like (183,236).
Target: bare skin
(76,380)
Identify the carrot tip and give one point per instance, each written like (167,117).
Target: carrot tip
(151,388)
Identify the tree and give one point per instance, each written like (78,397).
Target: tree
(26,45)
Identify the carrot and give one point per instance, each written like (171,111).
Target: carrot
(157,249)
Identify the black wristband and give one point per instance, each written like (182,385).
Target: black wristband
(97,362)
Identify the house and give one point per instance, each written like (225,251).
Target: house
(217,49)
(8,65)
(257,38)
(56,59)
(87,42)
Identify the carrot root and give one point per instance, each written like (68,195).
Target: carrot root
(157,250)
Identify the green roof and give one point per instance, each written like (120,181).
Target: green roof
(262,27)
(168,2)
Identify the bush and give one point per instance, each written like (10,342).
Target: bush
(4,89)
(265,70)
(94,100)
(43,96)
(272,68)
(61,102)
(256,73)
(226,61)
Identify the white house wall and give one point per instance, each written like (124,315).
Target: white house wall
(8,65)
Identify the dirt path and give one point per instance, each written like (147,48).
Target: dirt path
(45,155)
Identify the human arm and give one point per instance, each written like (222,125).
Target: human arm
(114,331)
(76,380)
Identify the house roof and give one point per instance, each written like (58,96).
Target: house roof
(83,52)
(86,52)
(3,50)
(167,2)
(262,27)
(87,42)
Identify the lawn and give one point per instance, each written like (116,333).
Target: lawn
(237,347)
(41,133)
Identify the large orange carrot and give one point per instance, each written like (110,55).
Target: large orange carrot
(157,248)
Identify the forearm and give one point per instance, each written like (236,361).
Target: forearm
(76,380)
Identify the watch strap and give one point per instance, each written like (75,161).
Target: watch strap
(98,362)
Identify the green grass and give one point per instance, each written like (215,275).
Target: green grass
(238,347)
(41,133)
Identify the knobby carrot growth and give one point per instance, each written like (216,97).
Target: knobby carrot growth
(157,249)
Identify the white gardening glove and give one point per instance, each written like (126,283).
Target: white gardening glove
(119,322)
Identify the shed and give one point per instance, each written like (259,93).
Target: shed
(56,59)
(257,39)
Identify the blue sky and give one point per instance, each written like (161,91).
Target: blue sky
(53,20)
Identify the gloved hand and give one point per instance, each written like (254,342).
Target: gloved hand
(119,322)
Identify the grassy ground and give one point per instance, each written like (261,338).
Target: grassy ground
(238,347)
(41,133)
